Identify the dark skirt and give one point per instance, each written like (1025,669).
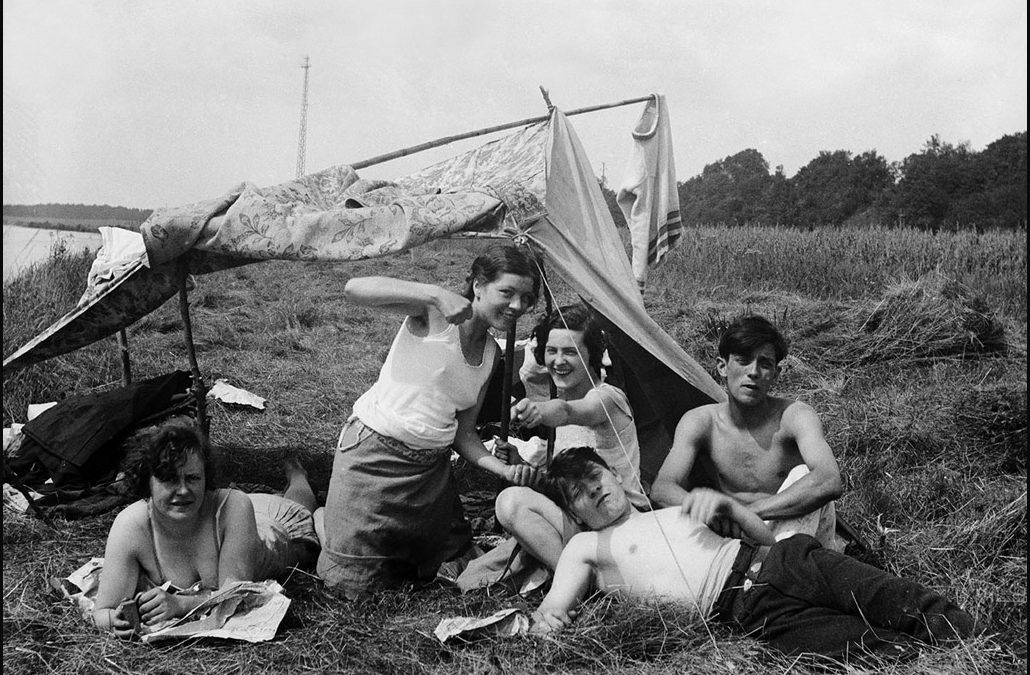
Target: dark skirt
(392,514)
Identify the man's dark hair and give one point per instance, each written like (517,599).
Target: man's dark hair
(746,334)
(164,450)
(571,466)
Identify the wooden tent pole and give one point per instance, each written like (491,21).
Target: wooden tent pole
(123,349)
(198,388)
(404,152)
(509,372)
(552,390)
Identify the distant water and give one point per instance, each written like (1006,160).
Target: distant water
(26,245)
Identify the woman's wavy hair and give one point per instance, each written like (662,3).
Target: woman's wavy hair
(161,451)
(499,259)
(576,317)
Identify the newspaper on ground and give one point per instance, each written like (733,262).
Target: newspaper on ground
(505,623)
(225,392)
(244,610)
(80,587)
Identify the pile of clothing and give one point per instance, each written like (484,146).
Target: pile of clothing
(69,457)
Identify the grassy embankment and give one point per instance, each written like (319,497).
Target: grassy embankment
(79,225)
(921,385)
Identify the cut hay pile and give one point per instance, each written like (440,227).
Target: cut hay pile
(931,317)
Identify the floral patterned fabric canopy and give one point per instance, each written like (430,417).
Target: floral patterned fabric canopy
(534,185)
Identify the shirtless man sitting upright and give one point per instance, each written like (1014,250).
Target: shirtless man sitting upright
(793,594)
(767,453)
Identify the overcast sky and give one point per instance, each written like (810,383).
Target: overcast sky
(149,103)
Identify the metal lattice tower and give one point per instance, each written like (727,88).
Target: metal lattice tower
(302,140)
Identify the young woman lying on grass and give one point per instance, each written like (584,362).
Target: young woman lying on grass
(183,539)
(392,513)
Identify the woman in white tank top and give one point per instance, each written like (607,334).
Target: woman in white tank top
(392,513)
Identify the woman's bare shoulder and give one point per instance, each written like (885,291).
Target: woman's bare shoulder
(131,524)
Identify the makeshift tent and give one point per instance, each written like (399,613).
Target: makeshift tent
(534,185)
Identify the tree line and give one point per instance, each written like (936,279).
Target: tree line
(943,186)
(76,212)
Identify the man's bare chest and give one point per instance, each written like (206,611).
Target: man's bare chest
(753,461)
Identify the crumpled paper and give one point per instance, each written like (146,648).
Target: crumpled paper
(15,499)
(504,623)
(244,610)
(225,392)
(80,587)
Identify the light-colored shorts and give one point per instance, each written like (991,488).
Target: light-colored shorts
(287,531)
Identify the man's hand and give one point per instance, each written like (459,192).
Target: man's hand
(713,509)
(546,621)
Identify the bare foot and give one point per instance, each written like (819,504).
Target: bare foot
(292,466)
(319,518)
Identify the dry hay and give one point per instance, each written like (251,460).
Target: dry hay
(994,418)
(931,317)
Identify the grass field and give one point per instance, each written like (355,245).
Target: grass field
(912,347)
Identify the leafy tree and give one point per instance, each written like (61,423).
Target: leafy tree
(835,186)
(934,182)
(779,200)
(728,191)
(1002,169)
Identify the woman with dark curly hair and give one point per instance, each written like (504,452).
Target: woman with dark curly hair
(570,345)
(183,539)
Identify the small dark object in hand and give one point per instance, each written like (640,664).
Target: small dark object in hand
(130,612)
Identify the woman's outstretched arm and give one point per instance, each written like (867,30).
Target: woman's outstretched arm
(408,297)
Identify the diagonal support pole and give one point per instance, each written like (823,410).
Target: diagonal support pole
(199,389)
(428,145)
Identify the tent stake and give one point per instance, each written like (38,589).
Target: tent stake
(404,152)
(198,388)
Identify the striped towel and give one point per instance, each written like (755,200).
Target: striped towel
(648,195)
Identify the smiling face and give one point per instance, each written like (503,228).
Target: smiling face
(565,357)
(749,379)
(597,500)
(502,301)
(181,497)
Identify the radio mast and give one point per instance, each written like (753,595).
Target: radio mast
(302,140)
